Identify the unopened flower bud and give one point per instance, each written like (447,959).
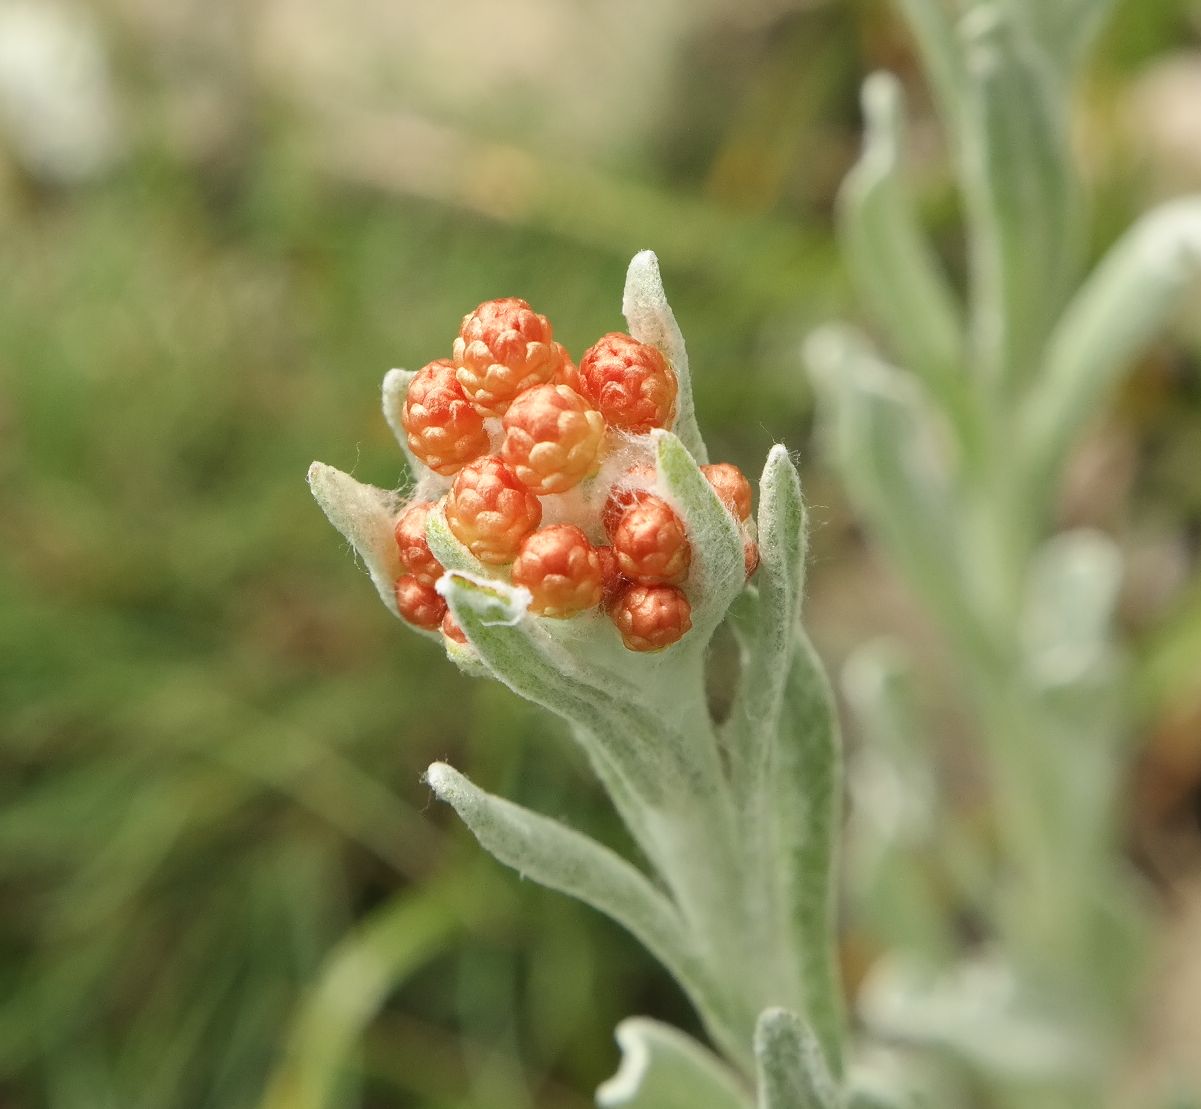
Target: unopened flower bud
(731,486)
(750,556)
(651,617)
(442,428)
(489,511)
(632,488)
(415,553)
(419,603)
(651,544)
(630,382)
(451,628)
(561,569)
(553,438)
(503,348)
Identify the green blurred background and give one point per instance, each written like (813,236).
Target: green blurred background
(222,882)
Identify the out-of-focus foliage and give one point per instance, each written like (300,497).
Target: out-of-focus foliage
(219,881)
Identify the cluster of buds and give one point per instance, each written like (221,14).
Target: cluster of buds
(548,488)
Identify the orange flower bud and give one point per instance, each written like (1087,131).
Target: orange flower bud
(731,485)
(451,628)
(651,543)
(561,569)
(750,556)
(630,382)
(442,428)
(611,577)
(503,348)
(626,493)
(418,603)
(552,438)
(489,511)
(651,617)
(415,553)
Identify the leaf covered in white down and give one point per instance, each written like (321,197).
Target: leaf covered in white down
(365,515)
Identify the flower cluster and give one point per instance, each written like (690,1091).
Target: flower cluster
(550,484)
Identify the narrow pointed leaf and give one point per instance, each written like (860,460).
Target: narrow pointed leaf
(1020,191)
(891,260)
(565,860)
(651,320)
(1128,298)
(807,804)
(365,515)
(661,1068)
(395,389)
(792,1071)
(718,568)
(888,446)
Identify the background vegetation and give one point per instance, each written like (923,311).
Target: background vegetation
(221,882)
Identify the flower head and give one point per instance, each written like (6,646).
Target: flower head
(630,382)
(552,438)
(443,430)
(562,571)
(419,603)
(731,486)
(651,617)
(504,347)
(414,547)
(490,511)
(651,544)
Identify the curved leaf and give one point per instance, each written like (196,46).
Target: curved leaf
(661,1068)
(792,1072)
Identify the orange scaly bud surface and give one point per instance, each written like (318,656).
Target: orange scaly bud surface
(503,348)
(490,512)
(442,428)
(561,569)
(415,553)
(651,617)
(418,603)
(731,485)
(553,438)
(451,629)
(651,544)
(630,382)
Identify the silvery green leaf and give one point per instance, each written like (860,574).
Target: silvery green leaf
(1073,592)
(894,267)
(523,654)
(1127,299)
(651,320)
(888,447)
(980,1012)
(770,633)
(565,860)
(792,1071)
(718,570)
(661,1068)
(1064,29)
(395,389)
(896,837)
(933,26)
(661,772)
(450,553)
(365,516)
(807,807)
(1020,193)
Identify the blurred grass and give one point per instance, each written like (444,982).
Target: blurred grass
(210,803)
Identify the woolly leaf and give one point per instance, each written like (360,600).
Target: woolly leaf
(365,515)
(651,320)
(792,1072)
(718,568)
(1128,298)
(565,860)
(891,260)
(661,1068)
